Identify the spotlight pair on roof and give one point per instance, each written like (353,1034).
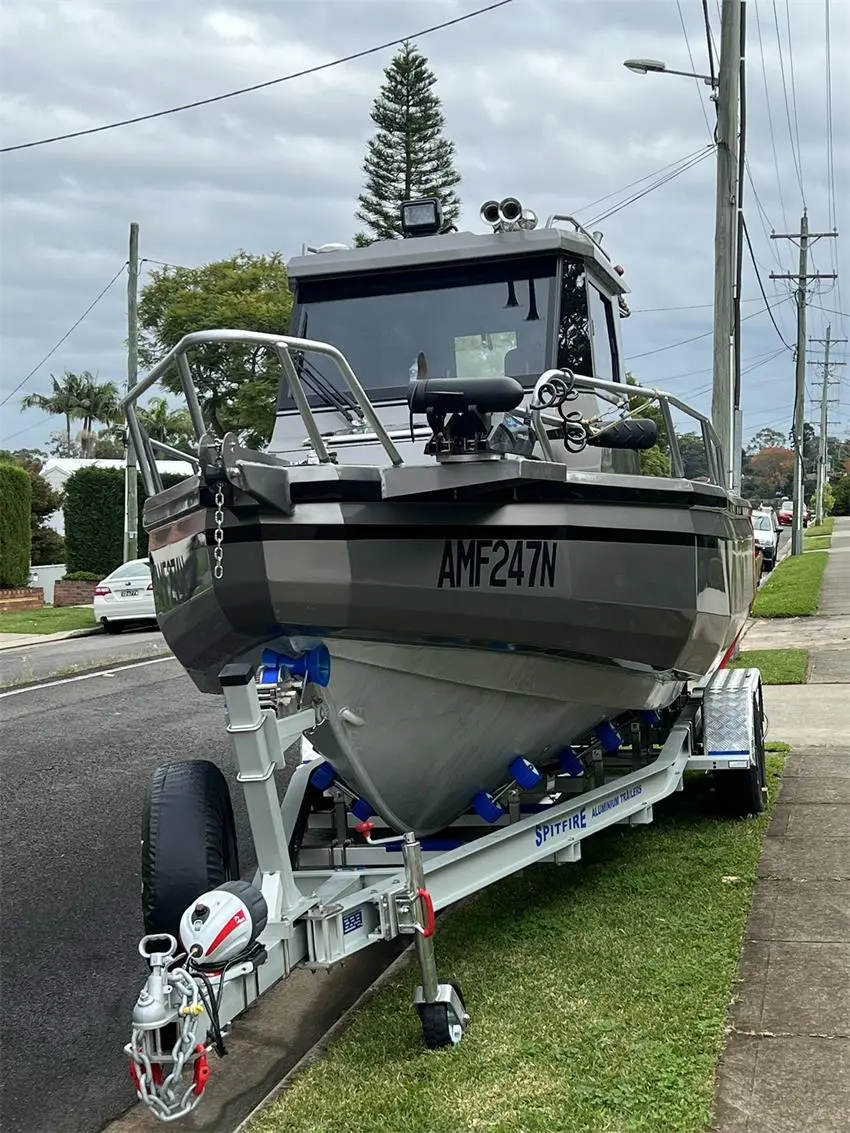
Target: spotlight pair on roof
(507,215)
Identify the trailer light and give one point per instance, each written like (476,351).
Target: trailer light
(423,217)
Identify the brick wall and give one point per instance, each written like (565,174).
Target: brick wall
(73,593)
(18,601)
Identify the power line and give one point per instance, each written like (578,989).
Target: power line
(697,82)
(709,43)
(259,86)
(687,307)
(770,119)
(696,337)
(794,154)
(640,180)
(794,88)
(651,188)
(65,336)
(27,429)
(761,285)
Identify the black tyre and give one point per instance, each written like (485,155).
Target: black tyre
(188,841)
(440,1028)
(111,627)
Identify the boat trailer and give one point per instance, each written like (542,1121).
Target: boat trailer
(328,884)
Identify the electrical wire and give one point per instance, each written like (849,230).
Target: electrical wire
(794,153)
(760,283)
(64,337)
(259,86)
(651,188)
(696,337)
(770,120)
(697,82)
(640,180)
(28,428)
(708,42)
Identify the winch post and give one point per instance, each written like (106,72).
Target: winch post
(424,938)
(256,746)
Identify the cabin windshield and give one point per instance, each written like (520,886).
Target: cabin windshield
(469,320)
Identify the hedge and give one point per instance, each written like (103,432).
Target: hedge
(94,520)
(15,530)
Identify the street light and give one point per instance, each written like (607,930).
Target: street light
(656,67)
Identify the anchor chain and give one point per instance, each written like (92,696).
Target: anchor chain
(165,1094)
(218,552)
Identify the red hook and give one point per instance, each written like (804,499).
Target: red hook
(428,905)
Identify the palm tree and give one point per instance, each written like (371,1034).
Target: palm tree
(171,427)
(64,401)
(97,401)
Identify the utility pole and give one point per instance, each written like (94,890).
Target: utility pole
(131,499)
(737,415)
(725,231)
(802,278)
(824,420)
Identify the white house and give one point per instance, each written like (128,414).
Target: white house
(56,471)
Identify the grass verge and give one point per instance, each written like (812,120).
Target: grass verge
(778,666)
(793,589)
(825,528)
(599,995)
(49,619)
(817,542)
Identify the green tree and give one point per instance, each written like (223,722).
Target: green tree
(47,545)
(170,426)
(408,157)
(767,438)
(237,385)
(842,497)
(656,460)
(63,401)
(692,450)
(15,534)
(96,401)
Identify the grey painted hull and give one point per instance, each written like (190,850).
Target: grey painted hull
(461,633)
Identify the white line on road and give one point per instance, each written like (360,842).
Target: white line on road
(85,676)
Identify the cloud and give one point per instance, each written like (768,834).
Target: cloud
(535,98)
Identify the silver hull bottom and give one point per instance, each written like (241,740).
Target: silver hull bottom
(419,730)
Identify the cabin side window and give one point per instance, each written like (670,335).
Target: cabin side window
(606,361)
(574,351)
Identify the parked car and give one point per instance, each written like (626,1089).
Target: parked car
(785,515)
(125,596)
(766,533)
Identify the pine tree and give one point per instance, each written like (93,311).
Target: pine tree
(408,157)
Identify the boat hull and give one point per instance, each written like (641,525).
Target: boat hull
(417,731)
(461,633)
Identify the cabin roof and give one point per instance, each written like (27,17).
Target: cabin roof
(457,247)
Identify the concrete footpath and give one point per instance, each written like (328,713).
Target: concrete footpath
(786,1066)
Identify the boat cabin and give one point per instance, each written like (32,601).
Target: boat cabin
(513,302)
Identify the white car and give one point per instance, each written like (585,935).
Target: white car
(766,533)
(126,595)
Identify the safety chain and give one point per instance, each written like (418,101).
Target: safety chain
(218,553)
(165,1094)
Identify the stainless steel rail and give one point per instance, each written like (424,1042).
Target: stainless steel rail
(281,346)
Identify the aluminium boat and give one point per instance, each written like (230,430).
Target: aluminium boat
(452,530)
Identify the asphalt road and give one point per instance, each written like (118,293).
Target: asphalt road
(76,654)
(76,759)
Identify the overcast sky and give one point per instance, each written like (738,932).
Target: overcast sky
(536,100)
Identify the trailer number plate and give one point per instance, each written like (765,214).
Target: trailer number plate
(472,564)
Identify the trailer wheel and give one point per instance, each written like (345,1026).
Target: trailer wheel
(743,792)
(440,1028)
(188,841)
